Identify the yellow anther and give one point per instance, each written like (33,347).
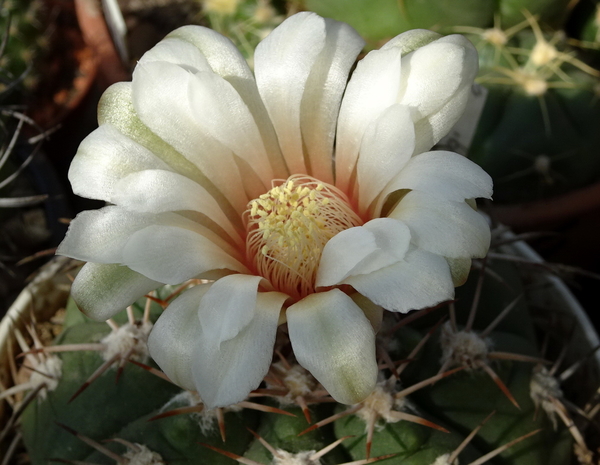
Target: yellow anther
(288,228)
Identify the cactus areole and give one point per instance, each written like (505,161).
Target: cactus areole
(303,193)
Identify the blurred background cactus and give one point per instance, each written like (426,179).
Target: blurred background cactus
(21,22)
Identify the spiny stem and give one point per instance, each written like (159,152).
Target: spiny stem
(468,439)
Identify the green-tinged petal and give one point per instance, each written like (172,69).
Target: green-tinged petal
(460,268)
(101,291)
(169,114)
(116,108)
(334,340)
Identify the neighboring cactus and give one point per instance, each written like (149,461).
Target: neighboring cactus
(23,22)
(537,136)
(245,22)
(418,415)
(382,19)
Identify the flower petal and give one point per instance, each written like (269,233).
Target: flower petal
(387,145)
(377,244)
(175,335)
(159,191)
(220,111)
(447,175)
(173,254)
(447,228)
(101,291)
(336,261)
(334,340)
(225,374)
(104,157)
(116,108)
(422,279)
(228,307)
(178,52)
(412,40)
(168,114)
(323,94)
(99,235)
(283,62)
(428,91)
(226,60)
(373,87)
(222,56)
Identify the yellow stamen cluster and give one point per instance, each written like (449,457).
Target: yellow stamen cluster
(289,226)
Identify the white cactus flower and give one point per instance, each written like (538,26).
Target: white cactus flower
(304,191)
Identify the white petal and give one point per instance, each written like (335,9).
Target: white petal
(222,113)
(225,60)
(373,87)
(443,174)
(228,307)
(283,62)
(175,335)
(101,291)
(421,280)
(99,235)
(116,108)
(104,157)
(161,99)
(225,375)
(178,52)
(377,244)
(342,253)
(436,79)
(387,145)
(163,191)
(323,94)
(334,340)
(451,229)
(172,254)
(222,56)
(430,76)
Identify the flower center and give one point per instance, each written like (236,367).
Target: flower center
(288,227)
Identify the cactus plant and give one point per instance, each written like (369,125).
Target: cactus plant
(144,414)
(418,394)
(382,19)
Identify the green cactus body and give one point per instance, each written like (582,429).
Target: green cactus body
(382,19)
(139,409)
(550,12)
(281,432)
(537,135)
